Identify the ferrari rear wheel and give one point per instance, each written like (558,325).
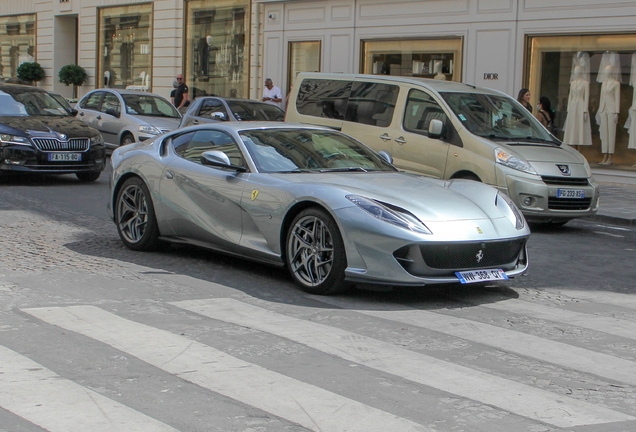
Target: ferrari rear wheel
(135,216)
(315,253)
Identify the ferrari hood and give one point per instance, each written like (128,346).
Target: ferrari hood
(46,125)
(428,199)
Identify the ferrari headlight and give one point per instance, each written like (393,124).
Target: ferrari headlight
(149,129)
(510,210)
(14,139)
(513,161)
(394,216)
(97,140)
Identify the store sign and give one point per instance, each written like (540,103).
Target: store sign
(491,77)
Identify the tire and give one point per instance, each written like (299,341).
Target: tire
(472,177)
(315,254)
(135,216)
(127,139)
(88,176)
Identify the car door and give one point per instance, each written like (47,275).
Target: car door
(202,202)
(412,149)
(109,119)
(208,112)
(369,114)
(89,108)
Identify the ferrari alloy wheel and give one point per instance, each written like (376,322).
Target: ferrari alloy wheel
(315,253)
(135,216)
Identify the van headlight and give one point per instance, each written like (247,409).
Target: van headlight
(394,215)
(513,161)
(510,210)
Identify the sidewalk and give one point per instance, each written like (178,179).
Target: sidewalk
(618,196)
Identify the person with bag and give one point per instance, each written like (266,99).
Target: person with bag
(181,97)
(545,114)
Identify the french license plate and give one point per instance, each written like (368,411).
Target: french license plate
(570,193)
(64,157)
(473,276)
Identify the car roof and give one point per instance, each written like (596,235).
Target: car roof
(238,126)
(435,85)
(126,92)
(20,88)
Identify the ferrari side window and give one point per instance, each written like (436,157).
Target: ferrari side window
(179,143)
(206,140)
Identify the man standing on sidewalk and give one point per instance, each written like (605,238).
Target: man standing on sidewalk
(181,97)
(272,94)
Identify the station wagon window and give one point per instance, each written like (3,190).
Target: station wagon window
(110,102)
(91,101)
(323,98)
(372,103)
(191,146)
(421,108)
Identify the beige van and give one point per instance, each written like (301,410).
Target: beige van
(452,130)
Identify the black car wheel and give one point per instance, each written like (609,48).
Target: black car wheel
(88,176)
(127,139)
(135,216)
(315,253)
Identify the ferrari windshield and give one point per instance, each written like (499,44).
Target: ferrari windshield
(497,117)
(26,102)
(307,150)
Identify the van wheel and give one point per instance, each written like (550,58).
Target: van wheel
(472,177)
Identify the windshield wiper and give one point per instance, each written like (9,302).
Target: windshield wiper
(343,169)
(541,140)
(495,137)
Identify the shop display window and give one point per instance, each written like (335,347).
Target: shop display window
(217,51)
(125,47)
(17,44)
(304,56)
(424,58)
(549,72)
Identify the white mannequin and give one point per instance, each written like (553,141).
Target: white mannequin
(438,71)
(607,114)
(578,130)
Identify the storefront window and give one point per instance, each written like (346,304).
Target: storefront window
(17,42)
(216,48)
(125,47)
(551,62)
(425,58)
(303,57)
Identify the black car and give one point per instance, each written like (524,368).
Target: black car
(209,109)
(39,135)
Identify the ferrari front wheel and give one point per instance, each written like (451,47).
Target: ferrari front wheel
(315,254)
(135,216)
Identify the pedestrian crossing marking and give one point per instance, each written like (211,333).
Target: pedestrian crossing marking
(558,353)
(603,324)
(627,301)
(42,397)
(517,398)
(310,406)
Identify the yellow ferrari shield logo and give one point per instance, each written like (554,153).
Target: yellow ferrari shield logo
(254,194)
(478,229)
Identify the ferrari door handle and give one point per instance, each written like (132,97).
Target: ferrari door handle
(400,140)
(98,117)
(385,137)
(169,174)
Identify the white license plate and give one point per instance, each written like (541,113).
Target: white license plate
(473,276)
(570,193)
(63,157)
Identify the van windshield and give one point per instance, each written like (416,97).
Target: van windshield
(497,118)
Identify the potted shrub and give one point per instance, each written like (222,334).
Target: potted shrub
(30,72)
(74,75)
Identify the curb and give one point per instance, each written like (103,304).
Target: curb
(614,220)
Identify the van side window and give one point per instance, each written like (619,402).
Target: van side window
(372,103)
(421,108)
(323,98)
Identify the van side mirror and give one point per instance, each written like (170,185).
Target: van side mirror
(435,129)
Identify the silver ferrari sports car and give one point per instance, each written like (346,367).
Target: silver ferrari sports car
(314,200)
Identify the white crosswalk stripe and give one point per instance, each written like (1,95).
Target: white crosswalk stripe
(308,405)
(511,396)
(583,360)
(42,397)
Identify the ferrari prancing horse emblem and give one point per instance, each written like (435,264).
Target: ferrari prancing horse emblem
(254,194)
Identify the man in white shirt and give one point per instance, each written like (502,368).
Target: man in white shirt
(272,94)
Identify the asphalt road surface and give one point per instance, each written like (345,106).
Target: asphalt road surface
(95,337)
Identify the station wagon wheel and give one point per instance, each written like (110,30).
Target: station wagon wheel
(135,216)
(127,139)
(315,254)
